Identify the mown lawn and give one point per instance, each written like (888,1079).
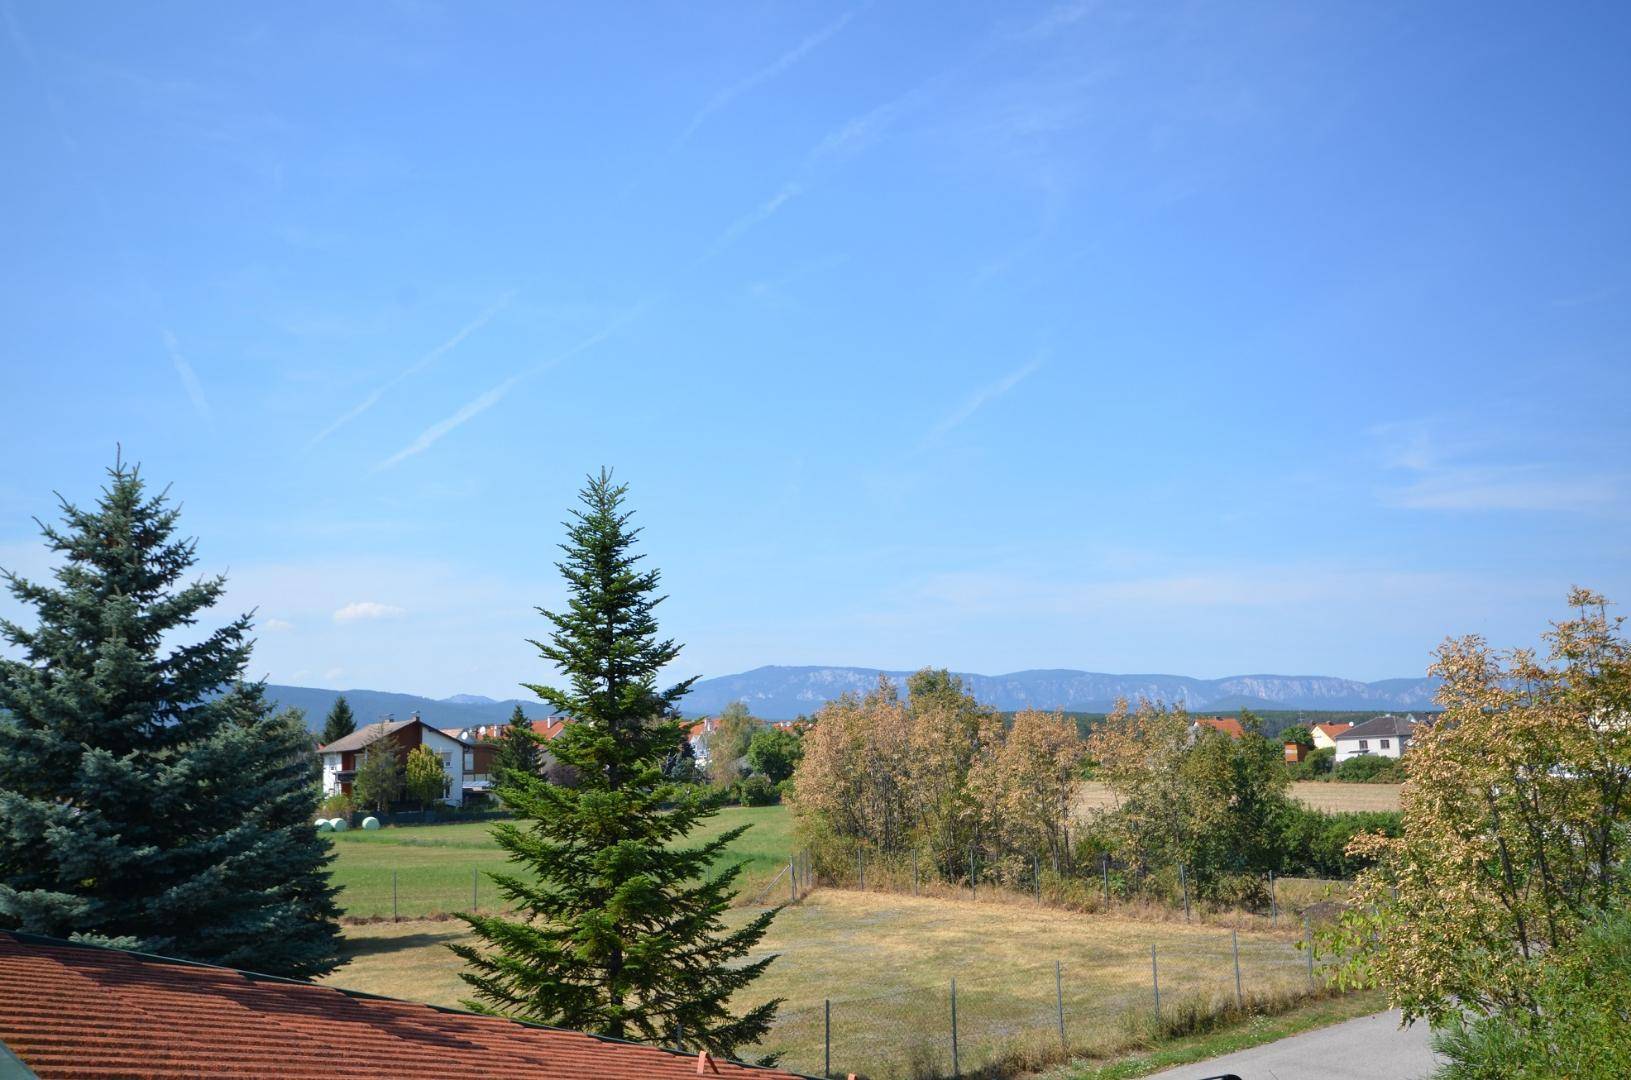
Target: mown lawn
(442,868)
(885,962)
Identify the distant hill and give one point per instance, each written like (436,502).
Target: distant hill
(781,693)
(462,710)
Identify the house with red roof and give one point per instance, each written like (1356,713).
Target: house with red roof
(1325,735)
(1226,725)
(71,1011)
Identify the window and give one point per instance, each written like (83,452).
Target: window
(1364,744)
(1384,744)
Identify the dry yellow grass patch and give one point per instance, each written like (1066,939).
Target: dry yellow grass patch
(886,963)
(1330,797)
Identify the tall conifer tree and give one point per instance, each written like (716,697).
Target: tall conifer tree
(623,931)
(339,722)
(517,749)
(148,797)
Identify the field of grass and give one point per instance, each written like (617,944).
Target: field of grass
(442,868)
(1330,797)
(885,962)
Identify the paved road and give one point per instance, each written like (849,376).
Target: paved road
(1370,1048)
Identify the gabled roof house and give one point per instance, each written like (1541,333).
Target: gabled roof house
(1383,736)
(342,757)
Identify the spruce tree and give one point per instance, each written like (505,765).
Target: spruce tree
(622,931)
(149,798)
(518,748)
(340,722)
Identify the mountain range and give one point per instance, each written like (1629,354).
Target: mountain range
(781,693)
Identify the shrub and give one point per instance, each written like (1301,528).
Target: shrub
(336,805)
(1316,766)
(1370,769)
(756,791)
(1314,843)
(1580,1025)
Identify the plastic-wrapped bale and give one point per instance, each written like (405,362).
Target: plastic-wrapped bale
(325,825)
(341,824)
(370,823)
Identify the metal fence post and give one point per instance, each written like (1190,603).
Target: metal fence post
(973,876)
(792,882)
(1059,1000)
(860,871)
(1183,879)
(395,914)
(826,1039)
(1240,998)
(1155,981)
(956,1069)
(1036,874)
(1274,902)
(475,877)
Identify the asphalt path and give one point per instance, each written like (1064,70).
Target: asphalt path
(1369,1048)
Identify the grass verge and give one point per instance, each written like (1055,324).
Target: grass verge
(1225,1038)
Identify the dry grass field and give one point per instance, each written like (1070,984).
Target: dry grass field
(1330,797)
(886,962)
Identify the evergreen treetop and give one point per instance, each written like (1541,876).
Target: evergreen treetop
(340,721)
(148,797)
(622,931)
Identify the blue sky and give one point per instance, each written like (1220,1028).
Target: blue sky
(1200,338)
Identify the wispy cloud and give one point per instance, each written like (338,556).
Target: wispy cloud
(1439,470)
(277,626)
(749,221)
(359,610)
(982,397)
(1503,487)
(414,368)
(781,64)
(484,401)
(189,378)
(1060,16)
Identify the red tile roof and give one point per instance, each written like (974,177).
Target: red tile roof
(81,1012)
(1332,730)
(1226,724)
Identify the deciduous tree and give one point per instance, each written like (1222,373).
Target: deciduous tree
(1517,824)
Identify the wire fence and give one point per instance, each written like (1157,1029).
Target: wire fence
(998,1021)
(986,1012)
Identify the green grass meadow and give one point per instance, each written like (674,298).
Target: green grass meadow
(435,869)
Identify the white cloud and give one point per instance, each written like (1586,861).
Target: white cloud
(277,626)
(1446,471)
(981,398)
(765,74)
(367,609)
(1516,487)
(189,378)
(419,365)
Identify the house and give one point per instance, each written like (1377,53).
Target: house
(1325,735)
(342,757)
(698,733)
(1383,736)
(70,1010)
(1228,725)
